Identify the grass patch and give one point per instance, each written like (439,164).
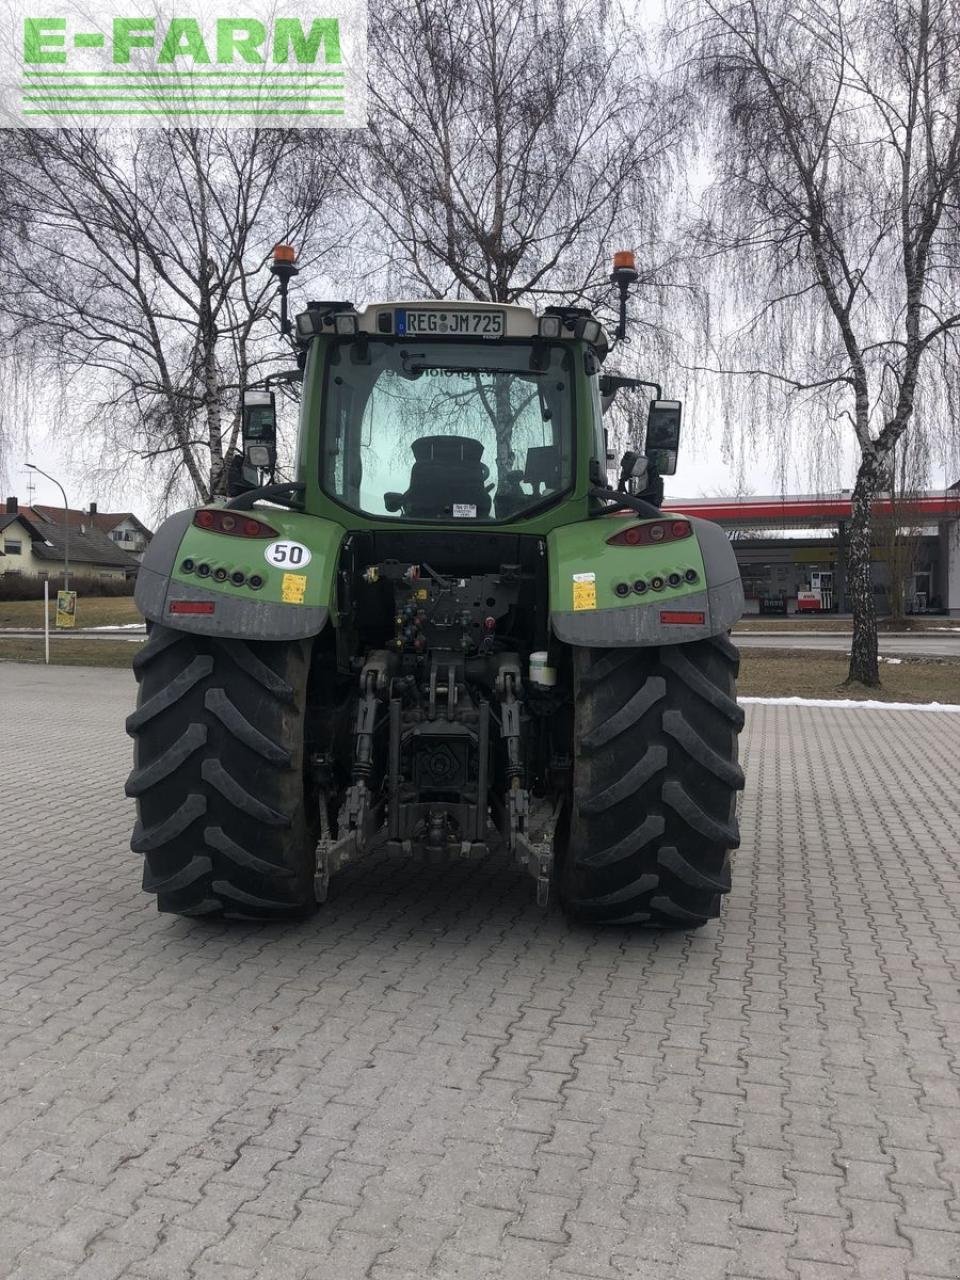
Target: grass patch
(764,673)
(92,611)
(67,652)
(804,622)
(777,673)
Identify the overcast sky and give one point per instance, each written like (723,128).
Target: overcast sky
(702,471)
(712,462)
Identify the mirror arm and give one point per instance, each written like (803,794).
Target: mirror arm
(615,382)
(626,500)
(284,495)
(639,382)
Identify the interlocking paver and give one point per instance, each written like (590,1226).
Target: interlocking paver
(432,1079)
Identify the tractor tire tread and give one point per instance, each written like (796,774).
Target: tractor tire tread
(230,716)
(652,761)
(212,771)
(627,716)
(695,744)
(225,820)
(158,641)
(681,666)
(168,828)
(672,861)
(170,693)
(191,740)
(694,815)
(217,838)
(652,826)
(652,817)
(201,907)
(195,868)
(243,656)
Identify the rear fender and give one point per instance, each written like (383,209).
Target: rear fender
(585,572)
(293,602)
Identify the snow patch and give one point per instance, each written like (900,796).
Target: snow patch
(116,626)
(850,704)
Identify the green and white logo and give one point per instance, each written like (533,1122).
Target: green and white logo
(130,65)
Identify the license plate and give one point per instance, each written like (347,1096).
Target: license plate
(449,324)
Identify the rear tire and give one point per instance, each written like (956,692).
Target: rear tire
(653,812)
(224,819)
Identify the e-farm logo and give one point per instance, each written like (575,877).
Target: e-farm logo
(146,69)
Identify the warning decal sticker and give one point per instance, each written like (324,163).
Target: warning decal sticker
(293,587)
(584,591)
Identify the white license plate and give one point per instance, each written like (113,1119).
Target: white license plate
(445,324)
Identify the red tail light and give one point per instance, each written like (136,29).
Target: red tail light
(675,616)
(235,523)
(651,534)
(192,606)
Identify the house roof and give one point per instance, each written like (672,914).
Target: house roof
(91,547)
(30,524)
(98,520)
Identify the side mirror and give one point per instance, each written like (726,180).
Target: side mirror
(608,390)
(241,477)
(663,435)
(633,466)
(259,430)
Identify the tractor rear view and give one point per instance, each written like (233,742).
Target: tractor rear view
(449,633)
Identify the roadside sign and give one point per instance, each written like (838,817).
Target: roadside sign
(66,608)
(809,602)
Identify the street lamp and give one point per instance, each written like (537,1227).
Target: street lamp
(66,524)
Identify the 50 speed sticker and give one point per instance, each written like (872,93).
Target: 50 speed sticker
(285,554)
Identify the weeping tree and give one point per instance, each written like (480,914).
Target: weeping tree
(830,230)
(900,531)
(512,145)
(138,280)
(17,392)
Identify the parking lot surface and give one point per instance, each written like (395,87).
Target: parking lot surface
(433,1079)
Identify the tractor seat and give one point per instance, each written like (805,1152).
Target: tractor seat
(542,468)
(447,471)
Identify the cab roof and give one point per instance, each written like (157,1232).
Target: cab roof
(394,319)
(519,322)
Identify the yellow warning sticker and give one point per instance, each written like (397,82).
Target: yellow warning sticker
(421,593)
(584,591)
(293,587)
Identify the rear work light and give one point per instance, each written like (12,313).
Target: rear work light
(236,524)
(192,606)
(652,534)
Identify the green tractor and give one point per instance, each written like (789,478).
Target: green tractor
(450,634)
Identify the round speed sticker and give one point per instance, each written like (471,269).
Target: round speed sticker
(287,555)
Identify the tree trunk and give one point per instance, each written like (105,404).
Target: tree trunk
(503,426)
(211,384)
(864,661)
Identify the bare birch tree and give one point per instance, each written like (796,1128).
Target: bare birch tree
(509,142)
(140,278)
(901,531)
(833,222)
(14,369)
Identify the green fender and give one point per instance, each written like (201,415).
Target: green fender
(293,602)
(585,572)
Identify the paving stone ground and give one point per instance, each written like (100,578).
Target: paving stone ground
(433,1079)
